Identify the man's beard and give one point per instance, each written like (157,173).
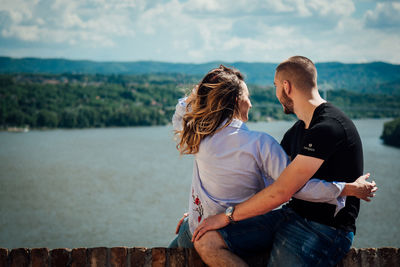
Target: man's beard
(287,103)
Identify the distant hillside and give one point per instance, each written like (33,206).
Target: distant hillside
(375,77)
(99,100)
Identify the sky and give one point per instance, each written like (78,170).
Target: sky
(197,31)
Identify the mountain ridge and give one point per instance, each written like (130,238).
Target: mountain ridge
(372,77)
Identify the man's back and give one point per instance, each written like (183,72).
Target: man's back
(332,137)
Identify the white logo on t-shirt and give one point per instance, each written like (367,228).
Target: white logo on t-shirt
(309,148)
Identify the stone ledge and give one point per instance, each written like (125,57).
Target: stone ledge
(130,257)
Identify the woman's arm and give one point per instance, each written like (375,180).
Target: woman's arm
(336,192)
(275,160)
(359,188)
(180,110)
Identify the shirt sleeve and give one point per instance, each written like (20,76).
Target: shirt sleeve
(323,139)
(180,111)
(274,158)
(275,161)
(316,190)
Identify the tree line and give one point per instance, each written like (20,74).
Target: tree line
(391,132)
(90,100)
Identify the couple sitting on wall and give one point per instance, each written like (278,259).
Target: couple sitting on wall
(241,176)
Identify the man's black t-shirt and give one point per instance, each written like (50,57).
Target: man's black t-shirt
(332,137)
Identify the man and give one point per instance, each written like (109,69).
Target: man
(324,143)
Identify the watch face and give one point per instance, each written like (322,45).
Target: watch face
(229,211)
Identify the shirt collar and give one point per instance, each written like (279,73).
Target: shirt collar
(235,123)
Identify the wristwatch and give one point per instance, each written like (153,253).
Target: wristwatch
(229,214)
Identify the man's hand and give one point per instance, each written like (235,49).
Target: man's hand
(211,223)
(180,222)
(360,188)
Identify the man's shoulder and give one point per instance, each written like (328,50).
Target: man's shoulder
(334,118)
(327,126)
(297,126)
(332,113)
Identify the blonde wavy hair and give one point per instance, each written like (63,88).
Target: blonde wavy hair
(211,102)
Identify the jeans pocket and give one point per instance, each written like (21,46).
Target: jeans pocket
(325,232)
(344,241)
(349,236)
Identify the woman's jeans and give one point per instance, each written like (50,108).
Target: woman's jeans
(184,238)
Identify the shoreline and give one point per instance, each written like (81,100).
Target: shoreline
(27,128)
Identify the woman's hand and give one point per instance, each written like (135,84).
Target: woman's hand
(361,188)
(211,223)
(180,222)
(192,95)
(365,190)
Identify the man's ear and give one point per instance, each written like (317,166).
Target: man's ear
(287,87)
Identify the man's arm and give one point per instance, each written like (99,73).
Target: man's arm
(297,173)
(273,161)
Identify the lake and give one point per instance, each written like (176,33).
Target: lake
(129,186)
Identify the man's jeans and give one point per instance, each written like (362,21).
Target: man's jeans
(293,240)
(184,238)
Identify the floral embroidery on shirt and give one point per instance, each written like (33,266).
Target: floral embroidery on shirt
(198,206)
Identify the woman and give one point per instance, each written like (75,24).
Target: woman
(231,162)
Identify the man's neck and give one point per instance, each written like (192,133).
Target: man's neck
(307,106)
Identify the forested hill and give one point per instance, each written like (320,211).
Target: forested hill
(375,77)
(97,100)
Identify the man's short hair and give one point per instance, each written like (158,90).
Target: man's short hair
(298,70)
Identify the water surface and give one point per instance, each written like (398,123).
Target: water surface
(128,186)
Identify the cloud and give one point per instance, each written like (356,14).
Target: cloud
(385,16)
(200,30)
(25,33)
(18,10)
(302,8)
(80,21)
(350,41)
(332,7)
(72,22)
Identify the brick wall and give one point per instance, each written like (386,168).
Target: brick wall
(126,257)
